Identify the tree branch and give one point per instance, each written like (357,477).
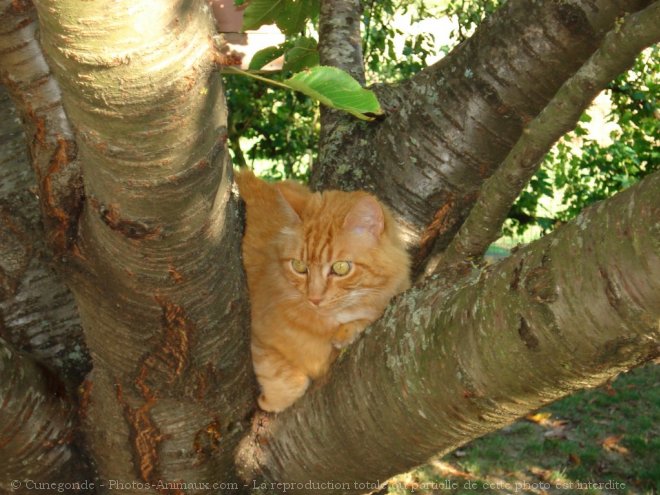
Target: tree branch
(340,40)
(448,128)
(53,150)
(617,53)
(340,45)
(36,428)
(37,312)
(448,363)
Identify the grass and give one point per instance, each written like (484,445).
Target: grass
(598,441)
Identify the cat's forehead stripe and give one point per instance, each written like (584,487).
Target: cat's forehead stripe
(318,243)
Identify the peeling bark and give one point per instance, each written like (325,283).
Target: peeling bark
(26,75)
(449,364)
(37,312)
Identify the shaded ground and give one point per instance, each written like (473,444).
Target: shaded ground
(599,441)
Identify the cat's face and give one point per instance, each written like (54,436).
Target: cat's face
(337,260)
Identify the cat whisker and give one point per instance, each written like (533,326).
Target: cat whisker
(360,293)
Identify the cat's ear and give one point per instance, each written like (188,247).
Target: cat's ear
(291,204)
(295,194)
(366,217)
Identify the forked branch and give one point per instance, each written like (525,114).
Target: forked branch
(617,53)
(448,128)
(448,364)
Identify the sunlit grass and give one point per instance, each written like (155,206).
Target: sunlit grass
(600,441)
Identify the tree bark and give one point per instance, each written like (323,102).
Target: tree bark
(37,428)
(152,251)
(51,143)
(166,327)
(447,364)
(340,45)
(498,194)
(37,312)
(448,128)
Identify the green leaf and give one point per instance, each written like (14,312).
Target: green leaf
(316,9)
(294,15)
(303,55)
(337,89)
(260,12)
(265,56)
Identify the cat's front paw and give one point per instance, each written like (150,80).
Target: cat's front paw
(269,406)
(347,333)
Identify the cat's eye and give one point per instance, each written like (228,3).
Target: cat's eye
(299,266)
(341,267)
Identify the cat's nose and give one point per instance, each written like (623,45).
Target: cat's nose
(315,300)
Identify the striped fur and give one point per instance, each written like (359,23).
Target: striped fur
(300,320)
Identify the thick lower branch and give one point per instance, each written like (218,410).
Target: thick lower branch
(448,364)
(36,428)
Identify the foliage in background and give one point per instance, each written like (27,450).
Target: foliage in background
(282,128)
(581,171)
(382,61)
(598,172)
(277,126)
(468,15)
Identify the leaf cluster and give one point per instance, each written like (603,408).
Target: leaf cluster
(383,62)
(578,171)
(284,129)
(281,127)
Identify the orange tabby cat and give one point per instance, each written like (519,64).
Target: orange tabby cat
(320,267)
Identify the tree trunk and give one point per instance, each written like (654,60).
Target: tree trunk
(167,330)
(448,363)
